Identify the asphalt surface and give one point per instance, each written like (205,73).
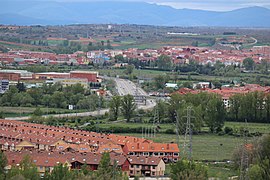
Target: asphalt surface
(123,87)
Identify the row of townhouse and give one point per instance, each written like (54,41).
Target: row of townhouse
(46,161)
(18,136)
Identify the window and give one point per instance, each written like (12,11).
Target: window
(153,173)
(131,166)
(154,167)
(137,166)
(161,154)
(131,172)
(138,172)
(175,154)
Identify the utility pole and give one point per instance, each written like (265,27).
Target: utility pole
(244,156)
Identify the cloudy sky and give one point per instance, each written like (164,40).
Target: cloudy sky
(216,5)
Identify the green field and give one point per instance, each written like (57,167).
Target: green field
(252,127)
(206,146)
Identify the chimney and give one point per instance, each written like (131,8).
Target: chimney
(138,145)
(168,146)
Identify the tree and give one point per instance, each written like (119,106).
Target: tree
(160,81)
(104,170)
(26,169)
(37,112)
(60,172)
(235,106)
(36,94)
(90,102)
(183,169)
(115,104)
(119,58)
(20,86)
(161,109)
(129,69)
(128,106)
(248,63)
(215,113)
(3,164)
(58,99)
(164,62)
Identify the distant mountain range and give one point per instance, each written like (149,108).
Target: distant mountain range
(61,13)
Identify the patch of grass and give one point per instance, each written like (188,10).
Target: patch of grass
(205,146)
(252,127)
(221,171)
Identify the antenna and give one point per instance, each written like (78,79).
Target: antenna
(244,156)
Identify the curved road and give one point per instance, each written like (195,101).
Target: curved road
(123,86)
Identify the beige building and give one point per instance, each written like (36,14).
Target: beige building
(146,166)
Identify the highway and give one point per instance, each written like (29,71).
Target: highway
(123,87)
(126,87)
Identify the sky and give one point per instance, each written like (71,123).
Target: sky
(215,5)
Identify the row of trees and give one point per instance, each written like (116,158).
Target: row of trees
(254,107)
(208,109)
(54,96)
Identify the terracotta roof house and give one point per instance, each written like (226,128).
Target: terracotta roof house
(146,166)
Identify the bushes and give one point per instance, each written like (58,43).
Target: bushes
(228,130)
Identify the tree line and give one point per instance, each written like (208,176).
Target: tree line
(51,95)
(208,109)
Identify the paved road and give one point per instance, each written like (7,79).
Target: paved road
(92,113)
(123,86)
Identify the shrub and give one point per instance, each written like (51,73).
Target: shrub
(228,130)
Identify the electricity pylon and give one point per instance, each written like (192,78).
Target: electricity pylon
(244,155)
